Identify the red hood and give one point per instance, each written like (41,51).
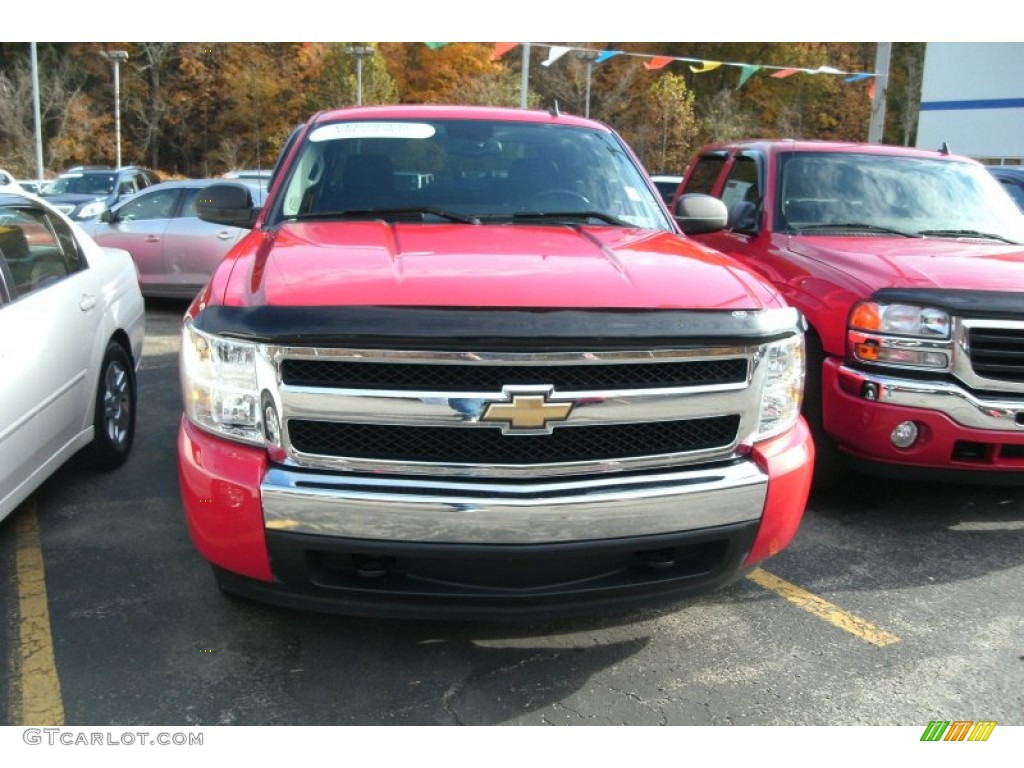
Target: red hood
(883,262)
(375,263)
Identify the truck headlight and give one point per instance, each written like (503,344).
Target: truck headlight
(219,385)
(899,334)
(783,386)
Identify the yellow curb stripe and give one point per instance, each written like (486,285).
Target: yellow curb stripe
(35,688)
(823,609)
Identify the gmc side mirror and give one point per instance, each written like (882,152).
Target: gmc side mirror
(743,217)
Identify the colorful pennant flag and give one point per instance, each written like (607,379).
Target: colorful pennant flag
(706,66)
(745,73)
(858,78)
(435,46)
(605,55)
(500,49)
(657,62)
(554,54)
(786,73)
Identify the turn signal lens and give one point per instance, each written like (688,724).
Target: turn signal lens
(866,317)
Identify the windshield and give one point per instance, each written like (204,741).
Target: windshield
(473,170)
(822,191)
(82,184)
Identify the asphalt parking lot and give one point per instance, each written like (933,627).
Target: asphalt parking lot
(897,604)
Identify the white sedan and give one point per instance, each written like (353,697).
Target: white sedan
(72,322)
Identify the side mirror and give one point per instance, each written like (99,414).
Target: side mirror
(226,203)
(743,217)
(698,213)
(107,217)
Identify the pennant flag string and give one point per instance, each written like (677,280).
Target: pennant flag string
(655,62)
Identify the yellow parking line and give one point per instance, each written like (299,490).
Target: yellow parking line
(35,687)
(823,609)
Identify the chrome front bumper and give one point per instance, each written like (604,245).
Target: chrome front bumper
(495,512)
(1003,414)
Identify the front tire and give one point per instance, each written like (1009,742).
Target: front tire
(829,466)
(114,414)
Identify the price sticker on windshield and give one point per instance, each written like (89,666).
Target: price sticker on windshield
(370,130)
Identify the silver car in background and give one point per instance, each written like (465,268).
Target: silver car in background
(72,322)
(174,251)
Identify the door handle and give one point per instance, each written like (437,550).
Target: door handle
(87,302)
(152,239)
(224,235)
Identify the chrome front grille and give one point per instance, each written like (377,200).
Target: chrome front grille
(427,413)
(988,354)
(363,374)
(443,445)
(997,353)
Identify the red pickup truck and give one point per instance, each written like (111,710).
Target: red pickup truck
(510,388)
(909,268)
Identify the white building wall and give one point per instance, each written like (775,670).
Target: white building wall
(972,97)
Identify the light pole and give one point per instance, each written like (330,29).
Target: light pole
(360,52)
(588,57)
(116,57)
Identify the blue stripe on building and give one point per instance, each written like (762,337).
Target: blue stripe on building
(934,106)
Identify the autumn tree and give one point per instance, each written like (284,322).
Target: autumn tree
(443,75)
(333,77)
(71,130)
(664,137)
(903,101)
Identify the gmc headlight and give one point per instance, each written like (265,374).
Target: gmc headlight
(89,210)
(783,386)
(218,382)
(900,334)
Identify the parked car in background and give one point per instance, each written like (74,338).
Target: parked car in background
(7,182)
(259,175)
(909,267)
(84,193)
(174,251)
(1012,179)
(71,330)
(667,186)
(34,186)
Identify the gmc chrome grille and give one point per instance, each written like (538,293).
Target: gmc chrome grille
(488,445)
(997,353)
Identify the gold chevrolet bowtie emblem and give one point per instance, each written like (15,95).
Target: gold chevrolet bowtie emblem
(524,412)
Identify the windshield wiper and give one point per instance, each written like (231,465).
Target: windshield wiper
(966,233)
(358,213)
(545,215)
(858,226)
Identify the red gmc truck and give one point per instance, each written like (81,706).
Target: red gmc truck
(909,268)
(465,364)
